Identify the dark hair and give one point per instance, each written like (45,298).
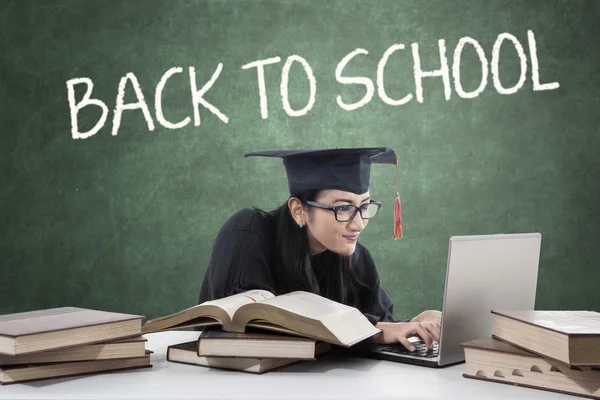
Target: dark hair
(337,278)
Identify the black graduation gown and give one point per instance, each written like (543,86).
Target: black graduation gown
(242,259)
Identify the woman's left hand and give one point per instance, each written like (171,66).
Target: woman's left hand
(428,316)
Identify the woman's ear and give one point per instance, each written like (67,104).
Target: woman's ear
(297,211)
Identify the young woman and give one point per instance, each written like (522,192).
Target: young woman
(311,242)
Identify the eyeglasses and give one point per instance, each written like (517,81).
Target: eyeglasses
(348,212)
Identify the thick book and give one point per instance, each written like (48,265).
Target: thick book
(187,353)
(120,348)
(497,361)
(572,337)
(219,343)
(36,372)
(54,328)
(301,313)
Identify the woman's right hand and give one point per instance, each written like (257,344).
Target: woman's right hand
(399,332)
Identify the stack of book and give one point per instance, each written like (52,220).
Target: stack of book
(556,351)
(257,332)
(252,352)
(67,341)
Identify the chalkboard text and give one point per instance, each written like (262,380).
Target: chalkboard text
(444,72)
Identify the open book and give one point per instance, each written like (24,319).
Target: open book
(300,313)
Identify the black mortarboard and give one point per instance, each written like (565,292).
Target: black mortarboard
(347,169)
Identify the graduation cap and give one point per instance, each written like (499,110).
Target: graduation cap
(347,169)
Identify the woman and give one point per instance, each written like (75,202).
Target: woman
(311,242)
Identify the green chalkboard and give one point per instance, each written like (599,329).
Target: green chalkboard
(124,125)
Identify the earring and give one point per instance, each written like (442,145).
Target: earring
(301,225)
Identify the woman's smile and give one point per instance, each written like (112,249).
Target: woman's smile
(351,238)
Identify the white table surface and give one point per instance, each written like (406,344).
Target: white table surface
(327,378)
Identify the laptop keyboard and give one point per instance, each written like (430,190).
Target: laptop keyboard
(420,346)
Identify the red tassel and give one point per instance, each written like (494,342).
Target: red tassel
(397,209)
(397,217)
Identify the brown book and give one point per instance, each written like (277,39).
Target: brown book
(300,313)
(572,337)
(55,328)
(497,361)
(187,353)
(121,348)
(35,372)
(219,343)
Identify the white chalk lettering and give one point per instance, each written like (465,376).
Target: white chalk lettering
(140,104)
(456,68)
(495,68)
(284,86)
(535,72)
(362,81)
(198,95)
(262,90)
(368,84)
(74,107)
(160,117)
(380,87)
(444,72)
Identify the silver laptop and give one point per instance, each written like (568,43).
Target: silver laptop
(483,272)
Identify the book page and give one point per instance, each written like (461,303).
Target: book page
(309,315)
(308,305)
(232,303)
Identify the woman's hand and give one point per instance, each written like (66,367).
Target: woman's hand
(428,316)
(394,332)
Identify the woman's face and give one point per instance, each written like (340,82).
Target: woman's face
(325,232)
